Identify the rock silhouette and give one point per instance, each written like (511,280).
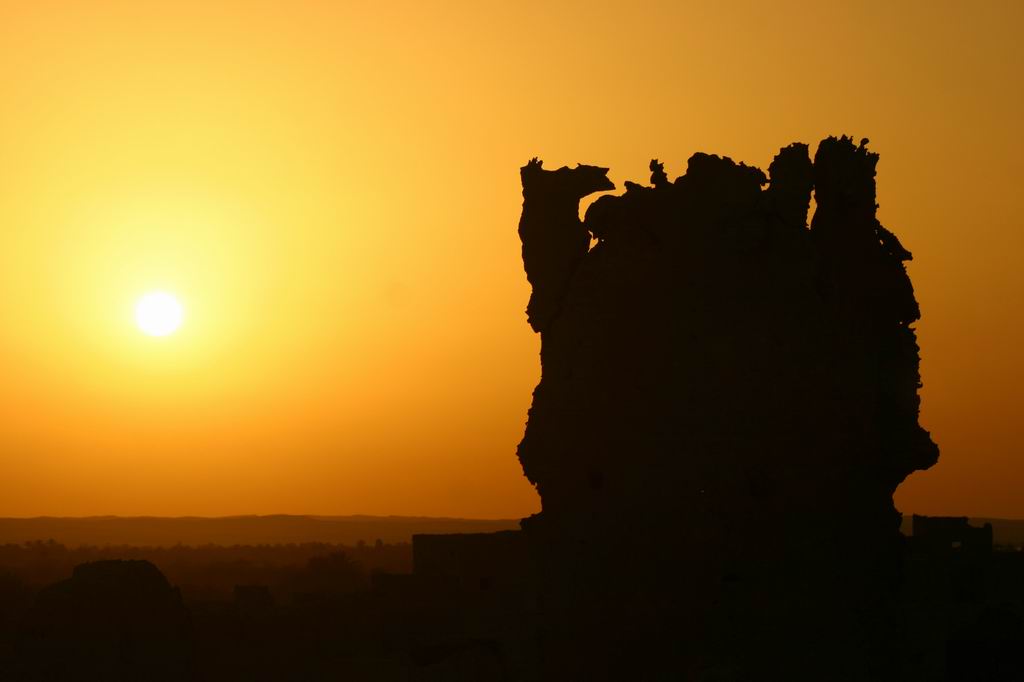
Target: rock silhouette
(554,239)
(111,620)
(728,401)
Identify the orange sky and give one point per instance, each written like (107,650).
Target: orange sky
(332,190)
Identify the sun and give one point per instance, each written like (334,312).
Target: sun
(158,313)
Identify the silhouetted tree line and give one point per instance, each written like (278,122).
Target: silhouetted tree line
(211,572)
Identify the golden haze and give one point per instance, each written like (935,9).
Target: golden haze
(332,189)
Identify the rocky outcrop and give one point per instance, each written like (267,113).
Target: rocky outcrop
(554,239)
(728,401)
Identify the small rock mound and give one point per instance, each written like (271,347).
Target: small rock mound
(111,620)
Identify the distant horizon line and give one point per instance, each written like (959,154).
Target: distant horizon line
(257,516)
(183,517)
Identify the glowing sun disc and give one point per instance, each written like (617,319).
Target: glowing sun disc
(158,313)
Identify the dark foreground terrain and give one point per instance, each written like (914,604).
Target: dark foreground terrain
(445,607)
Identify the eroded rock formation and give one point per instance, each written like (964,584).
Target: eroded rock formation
(728,401)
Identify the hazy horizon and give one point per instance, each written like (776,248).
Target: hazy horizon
(905,513)
(257,530)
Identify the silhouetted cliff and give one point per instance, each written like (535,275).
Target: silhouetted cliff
(728,401)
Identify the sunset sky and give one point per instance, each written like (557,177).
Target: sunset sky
(331,190)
